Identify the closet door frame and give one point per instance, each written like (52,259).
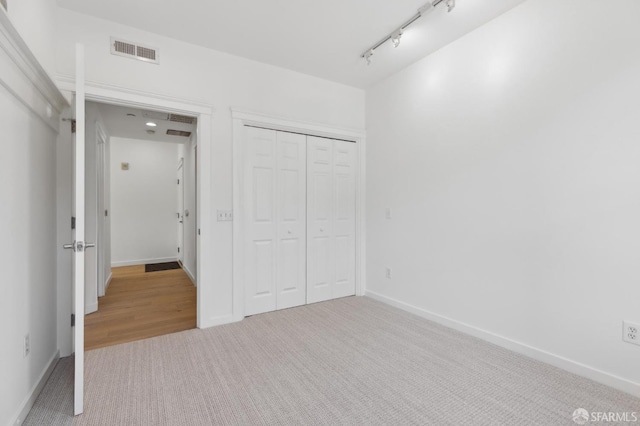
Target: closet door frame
(242,118)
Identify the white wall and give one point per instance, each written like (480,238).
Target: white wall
(510,161)
(191,72)
(35,21)
(28,252)
(187,151)
(143,202)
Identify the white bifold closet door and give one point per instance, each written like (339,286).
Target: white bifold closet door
(275,218)
(331,219)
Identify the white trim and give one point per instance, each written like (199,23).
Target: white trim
(221,320)
(241,118)
(518,347)
(23,76)
(31,397)
(106,284)
(189,274)
(143,261)
(104,93)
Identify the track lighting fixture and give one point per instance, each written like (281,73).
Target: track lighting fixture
(368,56)
(395,37)
(397,34)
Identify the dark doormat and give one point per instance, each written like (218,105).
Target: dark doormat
(153,267)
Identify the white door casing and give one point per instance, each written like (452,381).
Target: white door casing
(180,210)
(243,118)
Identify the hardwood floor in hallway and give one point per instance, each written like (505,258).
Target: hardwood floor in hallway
(139,305)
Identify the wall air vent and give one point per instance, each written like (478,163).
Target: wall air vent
(134,51)
(178,133)
(182,119)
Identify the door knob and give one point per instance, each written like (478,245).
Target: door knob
(87,245)
(71,246)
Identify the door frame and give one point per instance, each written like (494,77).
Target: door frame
(242,117)
(114,95)
(180,242)
(101,141)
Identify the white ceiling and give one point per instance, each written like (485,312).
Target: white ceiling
(121,125)
(321,38)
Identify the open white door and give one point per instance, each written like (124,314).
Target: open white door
(79,245)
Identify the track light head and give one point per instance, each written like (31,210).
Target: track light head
(368,56)
(425,9)
(395,37)
(450,5)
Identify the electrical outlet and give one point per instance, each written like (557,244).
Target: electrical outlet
(388,272)
(27,345)
(631,332)
(387,213)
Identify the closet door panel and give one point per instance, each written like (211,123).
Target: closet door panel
(344,255)
(261,220)
(292,221)
(320,215)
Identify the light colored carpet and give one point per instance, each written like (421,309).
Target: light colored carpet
(352,361)
(54,405)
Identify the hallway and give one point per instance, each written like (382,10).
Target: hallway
(139,305)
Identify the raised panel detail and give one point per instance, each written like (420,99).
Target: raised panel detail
(263,264)
(322,155)
(345,200)
(290,150)
(322,196)
(321,266)
(344,259)
(290,263)
(263,147)
(290,187)
(263,194)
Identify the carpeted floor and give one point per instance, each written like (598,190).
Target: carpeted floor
(350,361)
(54,405)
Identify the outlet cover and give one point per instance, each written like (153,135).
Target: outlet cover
(631,332)
(388,272)
(27,345)
(225,215)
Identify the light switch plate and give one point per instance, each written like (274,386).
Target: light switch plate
(225,215)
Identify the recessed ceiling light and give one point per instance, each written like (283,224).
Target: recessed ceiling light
(151,124)
(130,115)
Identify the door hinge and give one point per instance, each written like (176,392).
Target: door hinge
(73,126)
(178,181)
(73,320)
(178,249)
(73,222)
(106,213)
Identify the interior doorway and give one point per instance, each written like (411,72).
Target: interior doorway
(143,167)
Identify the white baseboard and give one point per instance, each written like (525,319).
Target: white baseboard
(521,348)
(189,274)
(106,284)
(89,309)
(30,399)
(214,321)
(142,261)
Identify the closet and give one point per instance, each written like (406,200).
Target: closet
(299,219)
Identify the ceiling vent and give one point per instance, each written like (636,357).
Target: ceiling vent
(134,51)
(155,115)
(182,119)
(178,133)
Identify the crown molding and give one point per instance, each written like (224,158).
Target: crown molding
(25,78)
